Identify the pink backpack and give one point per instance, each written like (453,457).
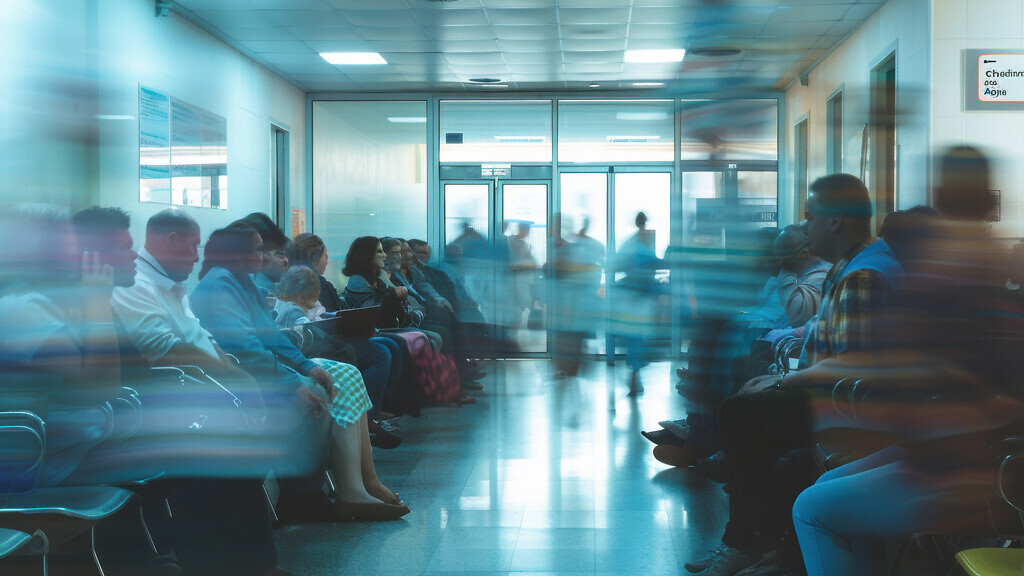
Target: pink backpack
(435,373)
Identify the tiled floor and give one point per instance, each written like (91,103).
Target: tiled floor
(539,477)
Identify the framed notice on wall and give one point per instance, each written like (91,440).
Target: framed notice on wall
(994,79)
(183,158)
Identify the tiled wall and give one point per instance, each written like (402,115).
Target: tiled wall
(960,25)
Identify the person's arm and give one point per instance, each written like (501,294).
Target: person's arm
(185,354)
(799,297)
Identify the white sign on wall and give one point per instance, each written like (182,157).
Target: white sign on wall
(1001,77)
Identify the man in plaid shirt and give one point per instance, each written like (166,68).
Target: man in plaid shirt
(771,416)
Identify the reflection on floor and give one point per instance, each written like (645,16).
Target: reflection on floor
(541,476)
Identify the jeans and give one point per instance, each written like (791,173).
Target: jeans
(374,359)
(843,520)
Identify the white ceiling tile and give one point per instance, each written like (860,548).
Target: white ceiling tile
(519,3)
(475,70)
(706,29)
(595,3)
(726,42)
(451,17)
(600,57)
(482,58)
(420,70)
(428,5)
(784,43)
(324,33)
(467,45)
(735,14)
(415,59)
(398,46)
(264,33)
(460,32)
(320,68)
(539,32)
(593,45)
(305,17)
(663,15)
(593,15)
(595,31)
(594,68)
(285,59)
(527,70)
(530,46)
(532,58)
(389,33)
(655,44)
(521,16)
(861,11)
(391,18)
(681,30)
(275,46)
(827,42)
(235,18)
(370,5)
(816,28)
(809,13)
(200,5)
(291,4)
(336,77)
(339,46)
(788,56)
(843,27)
(383,76)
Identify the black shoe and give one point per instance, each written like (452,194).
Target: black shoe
(715,467)
(663,437)
(474,386)
(381,438)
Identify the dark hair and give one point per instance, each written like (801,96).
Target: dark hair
(963,192)
(306,250)
(169,221)
(359,260)
(641,220)
(388,242)
(97,220)
(298,282)
(226,247)
(416,243)
(273,237)
(841,194)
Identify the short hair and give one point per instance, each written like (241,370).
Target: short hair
(963,191)
(97,220)
(306,250)
(641,220)
(299,282)
(791,240)
(169,221)
(841,194)
(359,260)
(388,242)
(226,246)
(416,243)
(269,231)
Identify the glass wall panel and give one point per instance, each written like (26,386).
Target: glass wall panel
(495,131)
(615,131)
(647,193)
(369,173)
(584,213)
(729,129)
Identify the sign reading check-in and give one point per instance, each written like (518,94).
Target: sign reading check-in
(1001,78)
(993,79)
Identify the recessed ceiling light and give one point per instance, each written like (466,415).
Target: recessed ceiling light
(407,119)
(648,84)
(359,58)
(655,55)
(595,85)
(485,80)
(642,116)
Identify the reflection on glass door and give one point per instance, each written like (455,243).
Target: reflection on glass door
(525,229)
(467,233)
(647,192)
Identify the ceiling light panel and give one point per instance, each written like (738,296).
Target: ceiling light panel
(353,58)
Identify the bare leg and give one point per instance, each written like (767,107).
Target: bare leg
(369,473)
(345,464)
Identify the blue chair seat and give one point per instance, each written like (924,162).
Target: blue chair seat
(92,503)
(12,540)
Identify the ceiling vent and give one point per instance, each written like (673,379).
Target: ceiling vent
(714,52)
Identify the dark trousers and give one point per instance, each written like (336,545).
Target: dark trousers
(374,360)
(756,430)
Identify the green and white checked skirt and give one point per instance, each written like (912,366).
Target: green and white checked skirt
(350,400)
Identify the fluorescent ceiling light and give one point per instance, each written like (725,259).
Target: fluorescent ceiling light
(113,117)
(407,119)
(648,84)
(655,56)
(641,116)
(353,57)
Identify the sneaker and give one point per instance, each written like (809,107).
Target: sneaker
(730,562)
(708,559)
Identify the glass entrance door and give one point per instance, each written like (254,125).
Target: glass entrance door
(496,237)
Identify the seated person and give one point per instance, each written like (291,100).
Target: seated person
(275,248)
(229,305)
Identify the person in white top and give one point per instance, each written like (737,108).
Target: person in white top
(155,311)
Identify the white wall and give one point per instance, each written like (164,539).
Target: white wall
(68,60)
(966,24)
(900,24)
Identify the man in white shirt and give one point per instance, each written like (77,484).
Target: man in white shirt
(155,311)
